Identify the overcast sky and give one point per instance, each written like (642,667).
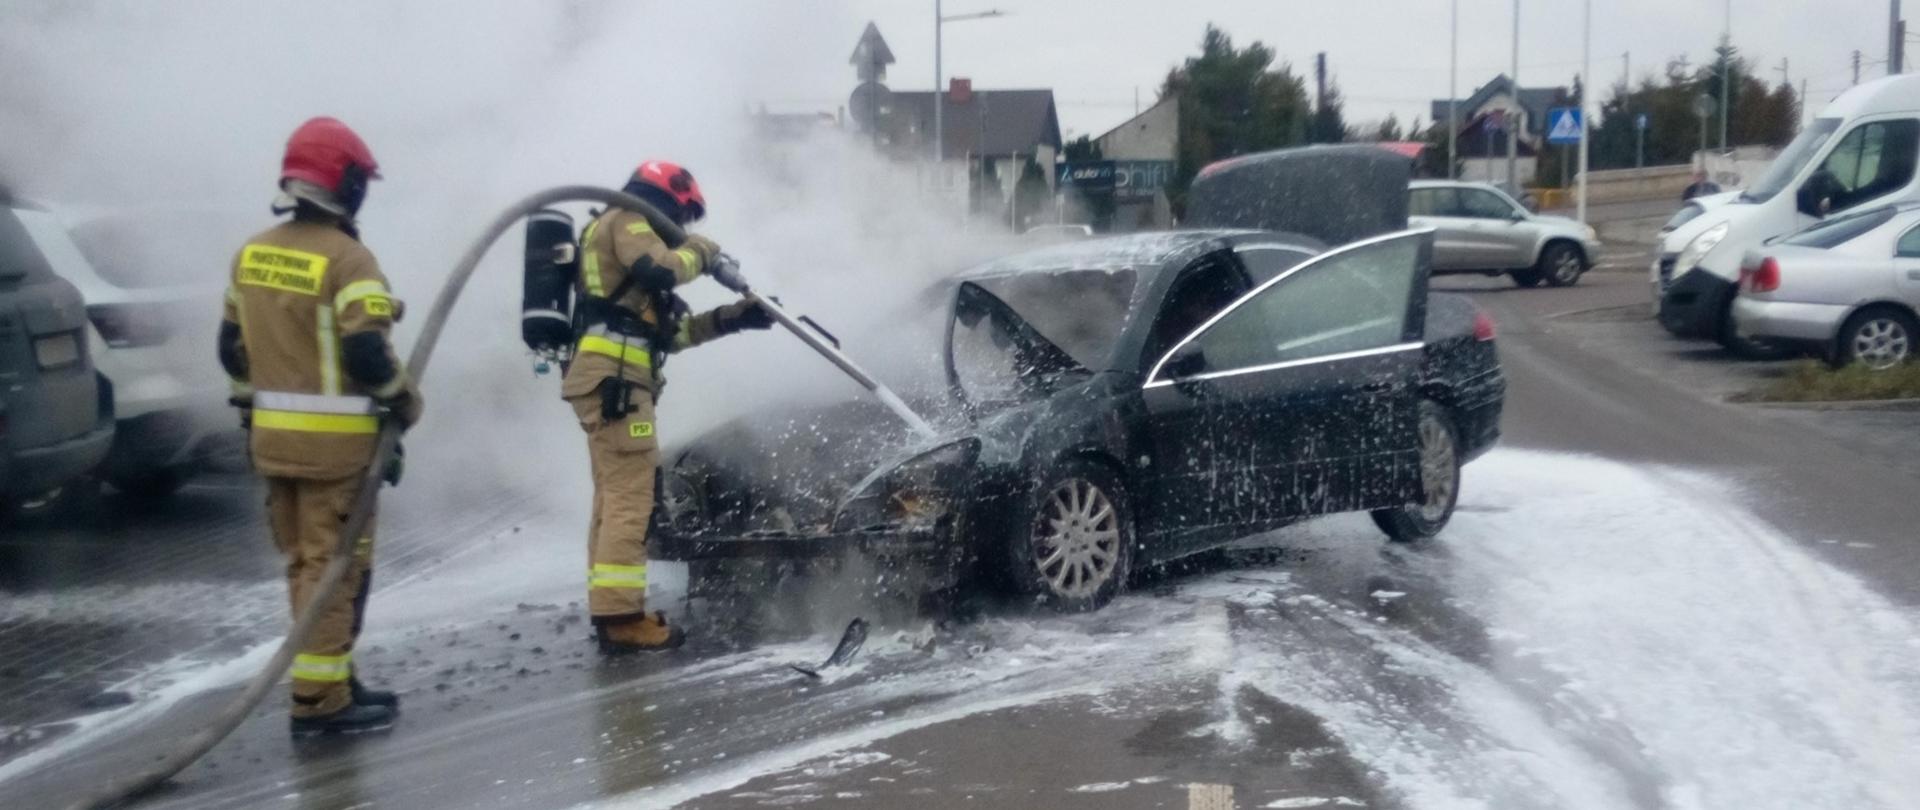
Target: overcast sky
(1387,55)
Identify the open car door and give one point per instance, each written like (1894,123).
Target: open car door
(1308,384)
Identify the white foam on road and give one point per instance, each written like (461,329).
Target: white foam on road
(1648,642)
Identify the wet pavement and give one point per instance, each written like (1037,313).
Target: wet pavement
(1650,598)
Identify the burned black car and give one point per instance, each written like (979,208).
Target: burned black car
(1121,402)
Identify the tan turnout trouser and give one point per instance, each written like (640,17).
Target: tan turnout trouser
(306,515)
(624,453)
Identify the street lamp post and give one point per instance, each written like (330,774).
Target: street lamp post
(1513,108)
(1453,92)
(939,94)
(1586,86)
(1726,76)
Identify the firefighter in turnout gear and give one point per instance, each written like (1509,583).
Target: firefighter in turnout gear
(305,340)
(631,321)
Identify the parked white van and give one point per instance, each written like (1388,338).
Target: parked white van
(1862,151)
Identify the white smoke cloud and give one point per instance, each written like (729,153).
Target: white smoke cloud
(469,106)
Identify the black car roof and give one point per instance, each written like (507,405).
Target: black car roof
(1146,253)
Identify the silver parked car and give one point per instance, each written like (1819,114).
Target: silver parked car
(1480,229)
(1848,288)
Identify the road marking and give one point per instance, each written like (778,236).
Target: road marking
(1209,797)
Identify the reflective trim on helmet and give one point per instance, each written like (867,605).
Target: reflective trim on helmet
(637,355)
(322,668)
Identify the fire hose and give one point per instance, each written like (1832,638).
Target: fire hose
(255,690)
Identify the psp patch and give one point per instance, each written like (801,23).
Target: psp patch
(640,430)
(284,269)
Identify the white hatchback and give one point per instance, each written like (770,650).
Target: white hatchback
(146,338)
(1848,288)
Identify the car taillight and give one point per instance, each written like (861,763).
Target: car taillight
(123,326)
(1482,326)
(1763,277)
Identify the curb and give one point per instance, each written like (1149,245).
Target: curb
(1838,405)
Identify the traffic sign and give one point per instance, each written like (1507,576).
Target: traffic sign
(1563,125)
(1640,121)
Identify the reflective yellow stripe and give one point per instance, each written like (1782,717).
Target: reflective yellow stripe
(690,258)
(329,344)
(617,576)
(369,289)
(315,422)
(637,228)
(591,269)
(637,355)
(323,668)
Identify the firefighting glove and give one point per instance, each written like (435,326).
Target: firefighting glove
(396,465)
(650,276)
(405,406)
(244,403)
(741,315)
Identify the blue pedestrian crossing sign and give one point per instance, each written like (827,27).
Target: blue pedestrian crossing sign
(1563,125)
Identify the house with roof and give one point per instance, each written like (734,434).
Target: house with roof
(991,139)
(1484,119)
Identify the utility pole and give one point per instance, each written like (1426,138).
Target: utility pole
(1510,118)
(1586,82)
(1856,66)
(1626,102)
(1453,92)
(1800,120)
(939,94)
(1319,80)
(1726,75)
(1894,35)
(1785,77)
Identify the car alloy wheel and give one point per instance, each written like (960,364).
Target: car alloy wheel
(1881,342)
(1439,469)
(1427,515)
(1077,541)
(1567,270)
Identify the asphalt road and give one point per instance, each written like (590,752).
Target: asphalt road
(1651,598)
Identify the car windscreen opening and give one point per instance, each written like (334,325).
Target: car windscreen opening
(1080,311)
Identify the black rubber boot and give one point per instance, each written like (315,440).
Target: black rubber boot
(373,697)
(356,718)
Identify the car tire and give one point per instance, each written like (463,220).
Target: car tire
(1878,337)
(154,483)
(1526,276)
(1561,265)
(1074,550)
(1439,481)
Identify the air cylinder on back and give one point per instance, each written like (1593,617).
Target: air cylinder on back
(546,300)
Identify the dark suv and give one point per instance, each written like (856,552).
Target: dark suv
(56,412)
